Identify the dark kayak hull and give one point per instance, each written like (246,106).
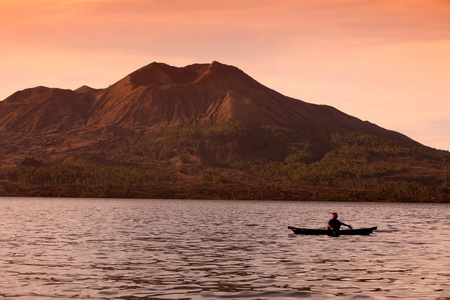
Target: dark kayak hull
(360,231)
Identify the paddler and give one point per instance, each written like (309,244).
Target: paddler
(334,224)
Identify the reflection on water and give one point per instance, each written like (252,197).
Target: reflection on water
(181,249)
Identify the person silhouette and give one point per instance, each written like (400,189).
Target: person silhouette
(334,224)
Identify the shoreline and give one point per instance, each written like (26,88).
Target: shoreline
(208,192)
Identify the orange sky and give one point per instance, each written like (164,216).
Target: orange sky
(385,61)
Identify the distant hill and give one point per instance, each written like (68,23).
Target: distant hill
(205,128)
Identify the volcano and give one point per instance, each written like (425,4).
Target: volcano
(42,121)
(202,130)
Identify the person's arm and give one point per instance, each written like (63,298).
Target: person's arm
(349,226)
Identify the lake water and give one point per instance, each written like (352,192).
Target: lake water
(183,249)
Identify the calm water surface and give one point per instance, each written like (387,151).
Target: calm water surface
(182,249)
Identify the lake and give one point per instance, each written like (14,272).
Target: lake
(203,249)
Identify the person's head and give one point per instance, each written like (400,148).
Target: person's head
(334,215)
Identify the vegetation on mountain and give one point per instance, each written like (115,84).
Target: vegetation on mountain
(354,161)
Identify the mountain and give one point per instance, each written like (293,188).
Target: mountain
(157,96)
(202,116)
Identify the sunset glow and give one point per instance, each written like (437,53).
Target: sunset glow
(387,62)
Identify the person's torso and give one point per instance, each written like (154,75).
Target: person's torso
(335,223)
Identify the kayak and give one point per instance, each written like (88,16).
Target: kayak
(360,231)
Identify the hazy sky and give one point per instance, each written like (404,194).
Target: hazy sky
(385,61)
